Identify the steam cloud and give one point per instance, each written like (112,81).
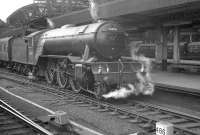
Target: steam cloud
(143,84)
(121,93)
(94,10)
(50,23)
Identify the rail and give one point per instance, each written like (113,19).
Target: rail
(142,114)
(26,120)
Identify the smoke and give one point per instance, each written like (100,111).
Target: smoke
(143,84)
(94,9)
(50,23)
(85,57)
(123,92)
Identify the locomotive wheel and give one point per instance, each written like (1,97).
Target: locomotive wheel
(62,78)
(22,70)
(18,68)
(75,86)
(50,73)
(26,70)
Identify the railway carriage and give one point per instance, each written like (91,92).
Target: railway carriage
(5,50)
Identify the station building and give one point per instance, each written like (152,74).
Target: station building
(169,29)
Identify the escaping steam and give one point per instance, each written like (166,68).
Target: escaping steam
(94,9)
(50,23)
(143,83)
(121,93)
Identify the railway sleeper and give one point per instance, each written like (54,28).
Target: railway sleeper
(190,125)
(163,115)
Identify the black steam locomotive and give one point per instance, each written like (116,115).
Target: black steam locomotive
(84,57)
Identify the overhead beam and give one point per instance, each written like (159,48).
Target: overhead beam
(76,17)
(123,7)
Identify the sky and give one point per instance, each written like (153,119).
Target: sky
(7,7)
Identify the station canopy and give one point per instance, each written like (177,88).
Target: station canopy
(44,8)
(132,14)
(139,13)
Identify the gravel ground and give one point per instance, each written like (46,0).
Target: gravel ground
(101,122)
(180,102)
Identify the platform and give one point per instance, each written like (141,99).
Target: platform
(182,81)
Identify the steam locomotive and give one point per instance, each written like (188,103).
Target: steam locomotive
(86,57)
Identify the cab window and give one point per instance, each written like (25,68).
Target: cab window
(28,41)
(5,47)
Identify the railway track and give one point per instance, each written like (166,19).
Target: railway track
(13,122)
(140,113)
(177,89)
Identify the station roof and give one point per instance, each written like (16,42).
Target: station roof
(24,15)
(44,8)
(133,12)
(2,23)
